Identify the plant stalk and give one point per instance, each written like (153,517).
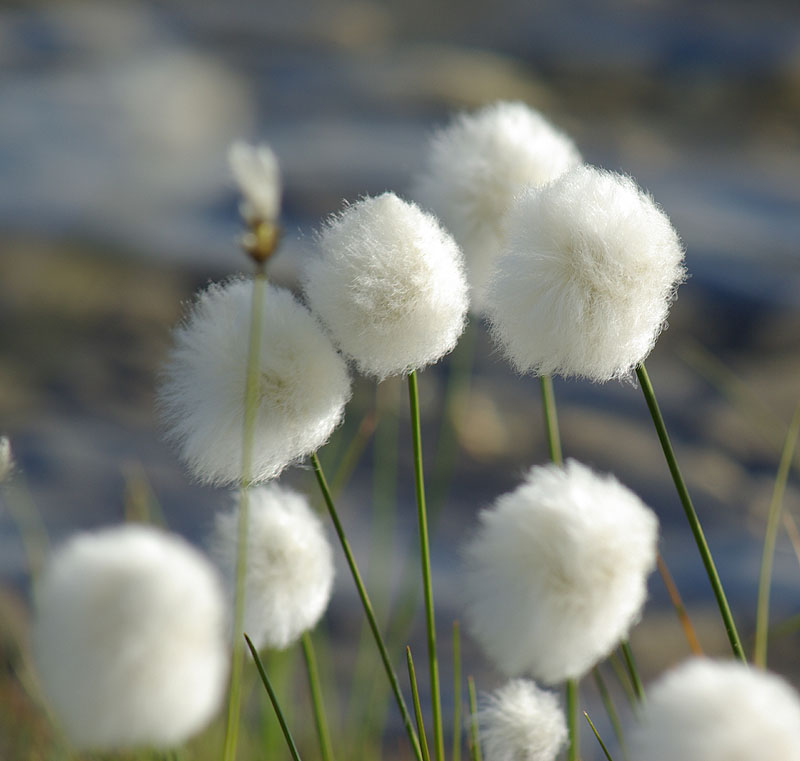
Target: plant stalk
(770,537)
(424,545)
(317,701)
(248,431)
(691,515)
(367,605)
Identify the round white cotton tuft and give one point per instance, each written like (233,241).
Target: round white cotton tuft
(557,572)
(522,723)
(303,384)
(590,270)
(289,563)
(257,174)
(389,286)
(705,710)
(129,639)
(474,169)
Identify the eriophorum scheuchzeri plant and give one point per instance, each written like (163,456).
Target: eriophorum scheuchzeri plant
(586,267)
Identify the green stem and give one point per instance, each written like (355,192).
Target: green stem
(424,546)
(691,515)
(412,678)
(573,702)
(551,419)
(367,605)
(248,430)
(623,678)
(597,735)
(274,699)
(456,692)
(770,537)
(630,663)
(317,700)
(608,704)
(474,733)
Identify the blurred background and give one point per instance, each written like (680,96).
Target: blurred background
(116,204)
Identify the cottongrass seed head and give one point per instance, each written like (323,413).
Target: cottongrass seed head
(705,710)
(477,165)
(557,572)
(289,560)
(257,174)
(130,638)
(522,722)
(389,286)
(590,270)
(6,458)
(303,384)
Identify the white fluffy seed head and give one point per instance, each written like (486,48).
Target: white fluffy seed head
(521,722)
(557,572)
(6,458)
(706,710)
(591,268)
(289,562)
(477,165)
(257,174)
(389,286)
(130,638)
(303,384)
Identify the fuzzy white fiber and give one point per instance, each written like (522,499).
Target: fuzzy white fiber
(303,384)
(522,723)
(257,174)
(389,286)
(557,572)
(591,268)
(6,458)
(474,169)
(129,638)
(707,710)
(289,561)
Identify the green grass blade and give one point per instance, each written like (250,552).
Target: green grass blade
(770,537)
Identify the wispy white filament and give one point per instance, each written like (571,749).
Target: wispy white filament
(706,710)
(590,270)
(477,165)
(130,638)
(289,574)
(303,384)
(556,573)
(257,174)
(388,285)
(522,723)
(6,458)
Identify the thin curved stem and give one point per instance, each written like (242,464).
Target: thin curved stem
(551,420)
(248,431)
(573,703)
(367,605)
(691,515)
(424,546)
(274,700)
(317,701)
(770,537)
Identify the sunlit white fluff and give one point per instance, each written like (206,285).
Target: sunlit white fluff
(477,165)
(289,574)
(130,638)
(522,723)
(6,458)
(556,572)
(389,286)
(257,174)
(590,270)
(706,710)
(303,384)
